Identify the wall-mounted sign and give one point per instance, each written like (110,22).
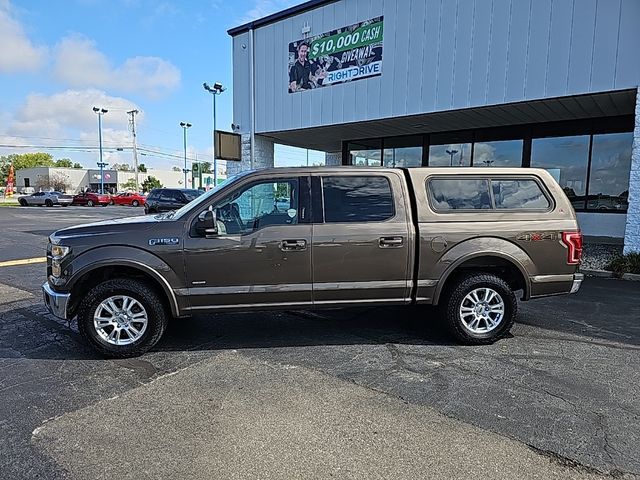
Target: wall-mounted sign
(338,56)
(228,145)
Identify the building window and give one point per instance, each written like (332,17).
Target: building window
(450,149)
(357,199)
(403,152)
(366,153)
(609,175)
(567,159)
(505,153)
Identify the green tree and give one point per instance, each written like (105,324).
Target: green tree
(64,162)
(176,169)
(150,183)
(142,168)
(123,167)
(77,165)
(130,184)
(22,161)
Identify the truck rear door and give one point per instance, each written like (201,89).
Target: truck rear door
(362,238)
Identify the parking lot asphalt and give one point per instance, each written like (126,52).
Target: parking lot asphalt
(300,394)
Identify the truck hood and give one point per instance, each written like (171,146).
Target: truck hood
(119,226)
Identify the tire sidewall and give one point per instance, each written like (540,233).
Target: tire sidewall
(148,298)
(90,203)
(457,294)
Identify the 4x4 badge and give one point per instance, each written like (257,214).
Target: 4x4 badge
(164,241)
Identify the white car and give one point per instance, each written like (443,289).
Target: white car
(48,199)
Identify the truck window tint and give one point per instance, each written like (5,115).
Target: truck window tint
(519,194)
(357,199)
(468,194)
(260,205)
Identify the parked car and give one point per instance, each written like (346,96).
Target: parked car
(128,198)
(91,199)
(47,199)
(165,199)
(468,240)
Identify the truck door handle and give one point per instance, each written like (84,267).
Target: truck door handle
(391,242)
(288,245)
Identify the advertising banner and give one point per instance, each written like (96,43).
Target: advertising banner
(349,53)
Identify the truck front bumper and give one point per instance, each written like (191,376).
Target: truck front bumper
(56,302)
(577,282)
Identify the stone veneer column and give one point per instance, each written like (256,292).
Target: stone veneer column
(632,232)
(263,155)
(332,159)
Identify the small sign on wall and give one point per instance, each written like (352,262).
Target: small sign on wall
(228,145)
(342,55)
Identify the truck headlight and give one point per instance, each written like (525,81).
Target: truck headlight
(56,270)
(59,252)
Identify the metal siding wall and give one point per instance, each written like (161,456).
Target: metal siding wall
(482,24)
(605,45)
(517,50)
(581,52)
(445,54)
(627,64)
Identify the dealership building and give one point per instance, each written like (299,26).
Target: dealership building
(550,84)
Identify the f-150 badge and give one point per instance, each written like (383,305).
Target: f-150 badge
(154,242)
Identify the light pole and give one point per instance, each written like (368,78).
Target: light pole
(184,126)
(451,154)
(216,90)
(100,112)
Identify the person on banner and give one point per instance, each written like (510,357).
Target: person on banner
(304,74)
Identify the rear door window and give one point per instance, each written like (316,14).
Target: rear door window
(459,194)
(357,199)
(519,195)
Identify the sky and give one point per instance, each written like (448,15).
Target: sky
(59,59)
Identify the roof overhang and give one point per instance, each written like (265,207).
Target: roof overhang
(329,138)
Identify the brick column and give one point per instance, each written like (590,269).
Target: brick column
(263,155)
(632,232)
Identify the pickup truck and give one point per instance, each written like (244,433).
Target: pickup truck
(469,240)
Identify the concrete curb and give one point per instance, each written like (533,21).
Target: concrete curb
(632,277)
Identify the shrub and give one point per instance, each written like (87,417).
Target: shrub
(629,263)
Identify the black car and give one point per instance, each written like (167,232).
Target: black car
(165,199)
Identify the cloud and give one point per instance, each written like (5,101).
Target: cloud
(80,64)
(262,8)
(17,52)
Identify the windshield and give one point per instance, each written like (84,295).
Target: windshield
(201,199)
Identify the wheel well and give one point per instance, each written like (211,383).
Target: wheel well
(94,277)
(498,266)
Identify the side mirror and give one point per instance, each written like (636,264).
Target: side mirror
(208,223)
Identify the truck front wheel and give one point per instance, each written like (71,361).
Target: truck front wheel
(122,317)
(479,308)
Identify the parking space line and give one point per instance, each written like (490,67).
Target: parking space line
(24,261)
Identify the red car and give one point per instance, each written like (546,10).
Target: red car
(128,198)
(90,199)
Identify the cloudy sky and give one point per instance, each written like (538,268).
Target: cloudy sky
(58,59)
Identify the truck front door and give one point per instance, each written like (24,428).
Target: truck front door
(362,241)
(261,254)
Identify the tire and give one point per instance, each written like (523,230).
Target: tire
(135,203)
(148,210)
(156,314)
(111,202)
(104,204)
(459,296)
(48,203)
(89,203)
(64,204)
(23,202)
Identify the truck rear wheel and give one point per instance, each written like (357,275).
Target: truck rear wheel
(122,317)
(479,308)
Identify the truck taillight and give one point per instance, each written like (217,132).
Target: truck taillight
(573,241)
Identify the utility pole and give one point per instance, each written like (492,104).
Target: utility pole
(132,123)
(100,112)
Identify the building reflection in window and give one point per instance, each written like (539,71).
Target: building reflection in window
(366,153)
(609,177)
(451,155)
(505,153)
(403,151)
(566,158)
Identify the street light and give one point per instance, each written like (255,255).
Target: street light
(451,154)
(184,130)
(100,112)
(216,90)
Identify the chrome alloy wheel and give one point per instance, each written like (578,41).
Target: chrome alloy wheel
(120,320)
(482,310)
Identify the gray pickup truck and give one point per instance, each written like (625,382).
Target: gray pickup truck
(469,240)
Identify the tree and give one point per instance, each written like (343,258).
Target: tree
(64,163)
(150,183)
(22,161)
(142,168)
(77,165)
(130,184)
(123,167)
(176,169)
(56,181)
